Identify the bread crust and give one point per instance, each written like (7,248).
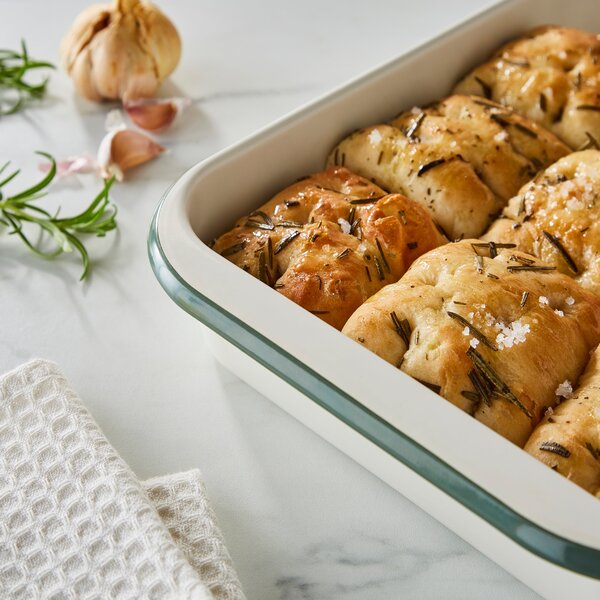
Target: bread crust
(558,212)
(568,438)
(551,75)
(331,241)
(530,335)
(462,158)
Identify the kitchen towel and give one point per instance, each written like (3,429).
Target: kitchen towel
(75,522)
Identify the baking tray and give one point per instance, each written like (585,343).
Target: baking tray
(536,524)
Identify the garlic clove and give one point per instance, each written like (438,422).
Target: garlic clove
(122,149)
(156,115)
(120,51)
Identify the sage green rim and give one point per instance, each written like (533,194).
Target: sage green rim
(558,550)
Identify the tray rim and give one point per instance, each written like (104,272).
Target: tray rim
(542,542)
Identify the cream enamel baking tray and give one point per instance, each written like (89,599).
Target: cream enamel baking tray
(530,520)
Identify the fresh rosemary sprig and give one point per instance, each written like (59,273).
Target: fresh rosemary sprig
(21,210)
(14,67)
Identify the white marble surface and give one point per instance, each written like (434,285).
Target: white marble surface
(302,521)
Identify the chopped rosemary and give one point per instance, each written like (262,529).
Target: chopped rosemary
(410,132)
(357,201)
(492,247)
(591,142)
(524,299)
(402,328)
(594,107)
(412,245)
(474,331)
(540,268)
(319,312)
(430,165)
(486,87)
(283,242)
(343,253)
(290,203)
(270,252)
(495,380)
(483,387)
(479,263)
(434,387)
(543,102)
(264,216)
(522,259)
(380,272)
(472,396)
(290,224)
(383,258)
(500,120)
(555,448)
(517,62)
(525,130)
(368,273)
(234,249)
(561,250)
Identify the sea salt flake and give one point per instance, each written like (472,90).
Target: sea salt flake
(512,334)
(474,342)
(345,226)
(543,301)
(559,312)
(375,136)
(570,300)
(565,389)
(466,331)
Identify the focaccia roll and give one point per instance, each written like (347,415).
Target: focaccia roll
(551,75)
(556,217)
(487,328)
(461,158)
(330,241)
(568,438)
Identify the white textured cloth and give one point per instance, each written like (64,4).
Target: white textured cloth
(75,523)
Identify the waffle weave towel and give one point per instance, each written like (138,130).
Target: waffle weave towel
(75,522)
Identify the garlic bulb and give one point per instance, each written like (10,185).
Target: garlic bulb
(120,51)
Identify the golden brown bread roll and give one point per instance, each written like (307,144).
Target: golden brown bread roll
(489,334)
(568,439)
(330,241)
(556,217)
(461,158)
(552,76)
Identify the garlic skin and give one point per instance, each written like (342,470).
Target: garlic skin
(121,51)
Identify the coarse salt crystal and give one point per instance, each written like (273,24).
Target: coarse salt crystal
(345,226)
(501,136)
(570,300)
(565,389)
(512,334)
(466,331)
(559,312)
(415,110)
(471,316)
(375,136)
(549,411)
(474,342)
(543,301)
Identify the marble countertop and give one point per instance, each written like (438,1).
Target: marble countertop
(302,520)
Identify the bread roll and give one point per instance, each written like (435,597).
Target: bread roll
(568,438)
(556,217)
(552,76)
(495,336)
(330,241)
(461,158)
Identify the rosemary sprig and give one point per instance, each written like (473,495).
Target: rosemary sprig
(14,67)
(21,210)
(472,329)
